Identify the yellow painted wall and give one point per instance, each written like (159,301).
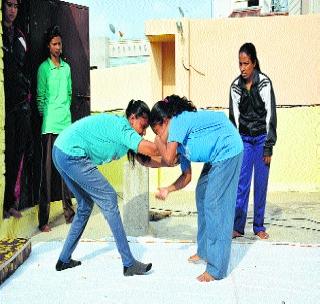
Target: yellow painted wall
(28,224)
(296,162)
(295,167)
(296,157)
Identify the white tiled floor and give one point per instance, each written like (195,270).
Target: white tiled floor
(260,272)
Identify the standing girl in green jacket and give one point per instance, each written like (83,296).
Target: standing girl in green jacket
(54,90)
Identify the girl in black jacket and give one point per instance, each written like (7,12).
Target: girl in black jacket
(252,110)
(18,132)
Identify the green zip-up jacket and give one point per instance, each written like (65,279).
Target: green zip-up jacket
(54,90)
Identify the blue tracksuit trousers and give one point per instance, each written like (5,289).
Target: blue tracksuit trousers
(252,161)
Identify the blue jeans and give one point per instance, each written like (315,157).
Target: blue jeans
(216,194)
(252,160)
(88,186)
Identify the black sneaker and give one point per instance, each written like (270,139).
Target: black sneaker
(62,266)
(137,268)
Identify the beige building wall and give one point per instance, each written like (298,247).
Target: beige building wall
(168,68)
(113,88)
(287,49)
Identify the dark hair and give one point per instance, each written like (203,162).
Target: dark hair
(250,50)
(170,106)
(3,1)
(17,18)
(140,109)
(50,33)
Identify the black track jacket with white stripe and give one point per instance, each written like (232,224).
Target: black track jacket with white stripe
(254,112)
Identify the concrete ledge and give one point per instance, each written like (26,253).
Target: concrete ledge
(13,252)
(136,199)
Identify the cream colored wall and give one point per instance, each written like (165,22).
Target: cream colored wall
(287,47)
(168,68)
(112,88)
(156,69)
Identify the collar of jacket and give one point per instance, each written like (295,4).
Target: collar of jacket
(51,64)
(255,80)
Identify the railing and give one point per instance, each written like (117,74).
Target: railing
(267,5)
(294,7)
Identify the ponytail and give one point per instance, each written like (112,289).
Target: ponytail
(140,109)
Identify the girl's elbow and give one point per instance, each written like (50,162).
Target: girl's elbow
(187,177)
